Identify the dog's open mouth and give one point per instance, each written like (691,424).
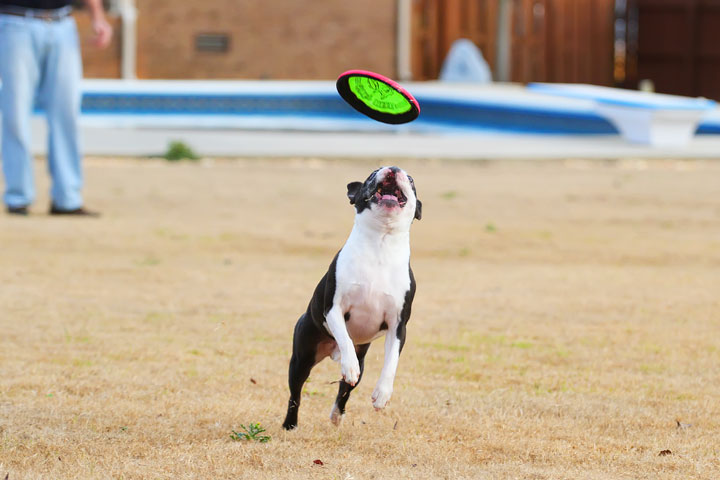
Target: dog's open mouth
(389,194)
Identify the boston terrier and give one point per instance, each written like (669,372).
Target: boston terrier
(367,292)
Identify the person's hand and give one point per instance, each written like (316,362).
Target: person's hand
(103,32)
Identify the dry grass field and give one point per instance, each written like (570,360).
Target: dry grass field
(567,316)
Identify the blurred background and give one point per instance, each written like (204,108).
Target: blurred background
(670,44)
(218,73)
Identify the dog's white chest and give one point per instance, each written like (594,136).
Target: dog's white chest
(371,284)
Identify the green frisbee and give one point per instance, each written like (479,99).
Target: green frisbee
(377,96)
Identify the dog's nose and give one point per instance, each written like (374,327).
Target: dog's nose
(390,172)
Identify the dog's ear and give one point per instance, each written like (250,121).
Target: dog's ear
(418,209)
(353,191)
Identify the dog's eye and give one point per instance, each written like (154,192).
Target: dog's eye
(412,182)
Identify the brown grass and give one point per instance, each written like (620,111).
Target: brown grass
(568,313)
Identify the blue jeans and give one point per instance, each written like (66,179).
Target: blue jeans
(40,64)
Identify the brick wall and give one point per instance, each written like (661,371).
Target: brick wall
(274,39)
(98,63)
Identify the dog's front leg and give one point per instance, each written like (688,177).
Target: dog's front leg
(349,364)
(384,388)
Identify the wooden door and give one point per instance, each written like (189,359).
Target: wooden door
(437,24)
(551,40)
(580,41)
(676,45)
(529,44)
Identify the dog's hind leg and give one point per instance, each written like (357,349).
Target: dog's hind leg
(305,345)
(338,409)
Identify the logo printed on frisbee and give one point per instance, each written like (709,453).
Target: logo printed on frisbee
(377,96)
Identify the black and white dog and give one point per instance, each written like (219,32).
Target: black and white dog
(367,292)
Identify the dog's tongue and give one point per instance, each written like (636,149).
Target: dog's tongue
(389,201)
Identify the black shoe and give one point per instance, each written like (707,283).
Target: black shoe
(78,212)
(18,211)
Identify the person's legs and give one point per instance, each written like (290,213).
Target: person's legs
(61,96)
(20,74)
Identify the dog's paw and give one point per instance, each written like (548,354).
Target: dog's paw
(350,370)
(381,395)
(289,425)
(335,415)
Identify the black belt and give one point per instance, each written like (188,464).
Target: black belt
(49,15)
